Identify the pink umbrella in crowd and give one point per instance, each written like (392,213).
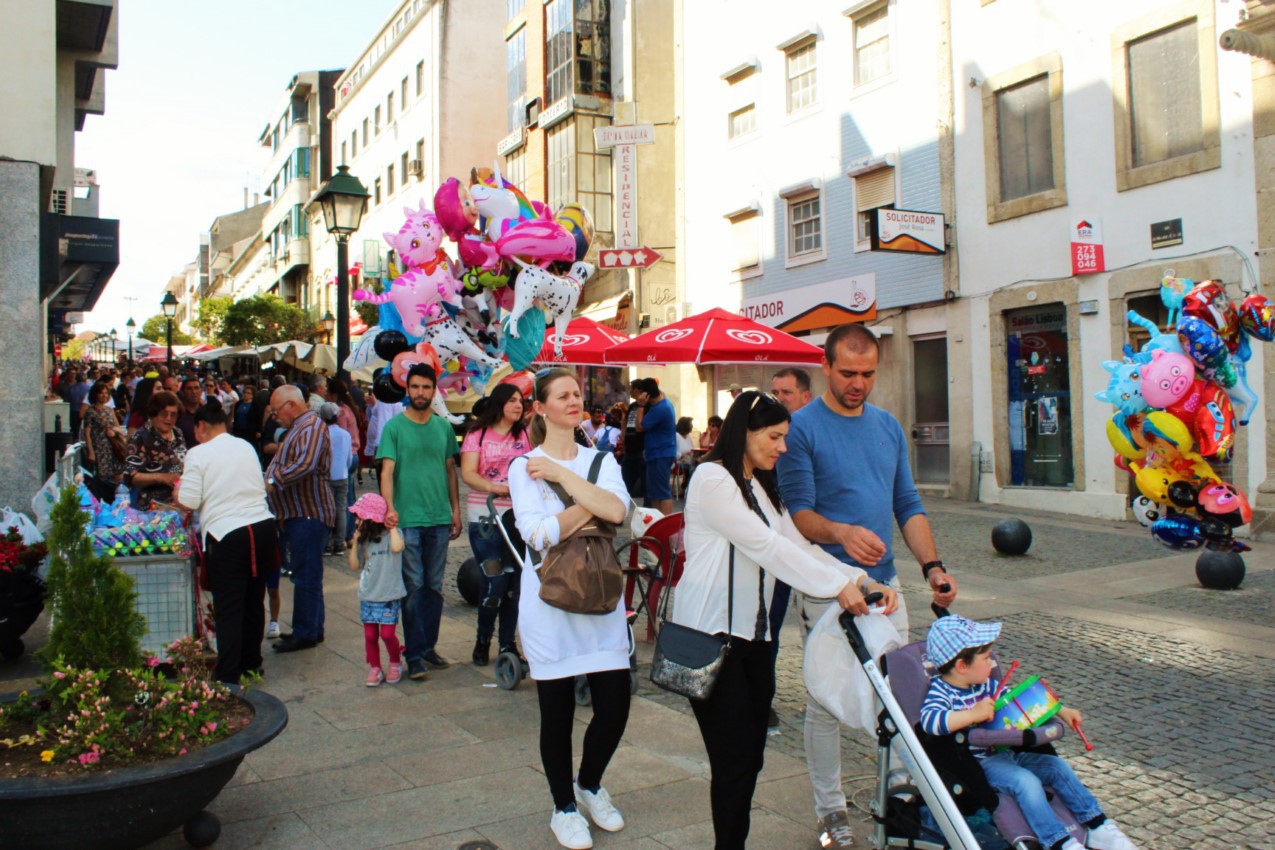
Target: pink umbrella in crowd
(714,337)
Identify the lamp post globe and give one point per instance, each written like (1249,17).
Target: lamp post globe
(169,306)
(343,199)
(131,326)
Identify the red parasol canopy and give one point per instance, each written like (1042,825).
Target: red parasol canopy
(582,345)
(714,336)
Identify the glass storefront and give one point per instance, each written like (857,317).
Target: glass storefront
(1039,397)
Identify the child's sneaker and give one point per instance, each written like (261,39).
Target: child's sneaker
(599,806)
(1072,844)
(394,675)
(375,677)
(571,830)
(1109,837)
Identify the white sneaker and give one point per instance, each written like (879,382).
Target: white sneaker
(571,830)
(272,631)
(600,808)
(1072,844)
(1109,837)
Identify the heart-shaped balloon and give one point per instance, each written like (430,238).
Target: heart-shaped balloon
(1257,317)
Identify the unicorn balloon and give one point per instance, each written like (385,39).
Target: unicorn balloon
(458,214)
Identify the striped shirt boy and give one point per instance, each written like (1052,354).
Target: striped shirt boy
(943,698)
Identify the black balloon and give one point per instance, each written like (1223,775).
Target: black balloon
(1182,494)
(390,344)
(386,390)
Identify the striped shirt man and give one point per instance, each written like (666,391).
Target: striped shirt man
(299,472)
(943,698)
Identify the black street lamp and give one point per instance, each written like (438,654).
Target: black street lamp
(169,304)
(343,200)
(114,357)
(329,324)
(131,325)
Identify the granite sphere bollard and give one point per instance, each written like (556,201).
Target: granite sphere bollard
(1012,537)
(1219,570)
(469,581)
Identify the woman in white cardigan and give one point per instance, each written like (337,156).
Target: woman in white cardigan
(733,512)
(560,645)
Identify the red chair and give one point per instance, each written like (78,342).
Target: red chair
(661,567)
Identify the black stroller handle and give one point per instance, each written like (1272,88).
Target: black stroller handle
(939,610)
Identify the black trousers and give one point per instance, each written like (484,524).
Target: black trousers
(239,596)
(610,690)
(733,724)
(633,470)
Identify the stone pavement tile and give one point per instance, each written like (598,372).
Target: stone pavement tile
(469,760)
(766,831)
(418,813)
(1252,602)
(268,833)
(501,722)
(245,775)
(633,768)
(262,799)
(648,811)
(300,753)
(440,842)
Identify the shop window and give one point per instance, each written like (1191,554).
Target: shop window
(1039,394)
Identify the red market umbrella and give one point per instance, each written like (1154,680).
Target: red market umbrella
(714,337)
(582,345)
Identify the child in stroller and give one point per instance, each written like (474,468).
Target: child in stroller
(961,696)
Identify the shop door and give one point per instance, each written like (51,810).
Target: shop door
(1039,397)
(932,455)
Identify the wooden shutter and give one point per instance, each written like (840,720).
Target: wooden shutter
(874,189)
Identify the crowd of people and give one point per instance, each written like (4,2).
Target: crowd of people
(782,494)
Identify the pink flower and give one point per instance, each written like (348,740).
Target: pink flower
(152,661)
(212,726)
(59,675)
(183,752)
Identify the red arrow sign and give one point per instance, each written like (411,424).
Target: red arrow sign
(629,258)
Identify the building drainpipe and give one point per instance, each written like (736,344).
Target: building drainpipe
(1246,42)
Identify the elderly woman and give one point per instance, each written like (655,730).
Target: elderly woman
(156,453)
(224,483)
(739,535)
(104,442)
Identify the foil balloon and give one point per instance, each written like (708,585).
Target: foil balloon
(1178,531)
(1155,483)
(1224,502)
(1124,390)
(390,344)
(385,388)
(1120,430)
(575,219)
(1166,378)
(1159,341)
(1172,292)
(1202,343)
(1257,317)
(524,381)
(1209,302)
(1207,413)
(1145,511)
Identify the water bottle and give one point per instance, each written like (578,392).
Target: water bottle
(121,492)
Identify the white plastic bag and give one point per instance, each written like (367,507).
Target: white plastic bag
(43,501)
(833,674)
(643,519)
(10,518)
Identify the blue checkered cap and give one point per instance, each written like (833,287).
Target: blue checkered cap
(951,634)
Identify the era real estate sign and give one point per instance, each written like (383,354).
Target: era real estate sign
(1086,247)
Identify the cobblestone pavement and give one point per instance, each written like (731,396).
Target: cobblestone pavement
(1252,602)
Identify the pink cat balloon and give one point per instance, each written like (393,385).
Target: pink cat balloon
(427,281)
(1167,378)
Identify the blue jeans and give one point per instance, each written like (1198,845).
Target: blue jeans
(424,561)
(305,539)
(1022,775)
(498,597)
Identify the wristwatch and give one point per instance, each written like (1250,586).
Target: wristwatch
(931,565)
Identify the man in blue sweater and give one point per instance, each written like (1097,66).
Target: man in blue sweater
(658,424)
(845,478)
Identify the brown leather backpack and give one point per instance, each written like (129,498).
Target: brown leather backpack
(582,573)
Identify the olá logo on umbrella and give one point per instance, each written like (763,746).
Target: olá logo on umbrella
(568,339)
(673,335)
(750,337)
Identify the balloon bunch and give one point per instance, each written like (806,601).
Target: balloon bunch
(1176,412)
(467,314)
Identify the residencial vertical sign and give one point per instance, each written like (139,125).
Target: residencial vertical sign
(626,227)
(1086,247)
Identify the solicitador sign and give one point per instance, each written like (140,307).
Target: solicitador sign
(850,299)
(907,231)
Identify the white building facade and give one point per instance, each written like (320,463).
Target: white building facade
(1126,120)
(801,119)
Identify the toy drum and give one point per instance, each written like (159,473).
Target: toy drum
(1030,703)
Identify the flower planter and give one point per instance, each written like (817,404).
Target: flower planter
(21,601)
(129,807)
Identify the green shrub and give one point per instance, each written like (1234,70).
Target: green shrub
(95,622)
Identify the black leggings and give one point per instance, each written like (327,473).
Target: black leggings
(557,714)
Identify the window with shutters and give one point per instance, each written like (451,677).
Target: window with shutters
(872,59)
(803,206)
(1024,167)
(1165,89)
(872,190)
(745,231)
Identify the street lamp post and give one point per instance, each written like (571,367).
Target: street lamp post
(169,304)
(329,324)
(343,200)
(131,325)
(114,357)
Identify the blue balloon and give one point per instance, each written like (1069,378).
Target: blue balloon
(1178,531)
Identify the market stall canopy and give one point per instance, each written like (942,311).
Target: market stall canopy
(224,351)
(159,353)
(582,345)
(714,337)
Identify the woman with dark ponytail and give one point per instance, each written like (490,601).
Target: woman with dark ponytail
(736,523)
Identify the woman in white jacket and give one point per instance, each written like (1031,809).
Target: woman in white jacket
(560,645)
(734,514)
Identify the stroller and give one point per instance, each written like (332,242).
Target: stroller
(510,667)
(896,808)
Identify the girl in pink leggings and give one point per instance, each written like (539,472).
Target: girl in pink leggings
(378,553)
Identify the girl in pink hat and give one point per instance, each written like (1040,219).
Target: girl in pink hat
(378,554)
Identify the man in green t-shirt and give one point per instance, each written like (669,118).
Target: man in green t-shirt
(419,484)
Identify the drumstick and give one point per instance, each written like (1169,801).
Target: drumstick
(1004,681)
(1081,733)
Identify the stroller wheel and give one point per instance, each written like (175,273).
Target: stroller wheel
(583,695)
(509,670)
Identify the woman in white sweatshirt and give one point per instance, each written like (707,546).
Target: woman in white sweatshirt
(560,645)
(734,515)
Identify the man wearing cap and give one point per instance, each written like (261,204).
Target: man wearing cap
(846,480)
